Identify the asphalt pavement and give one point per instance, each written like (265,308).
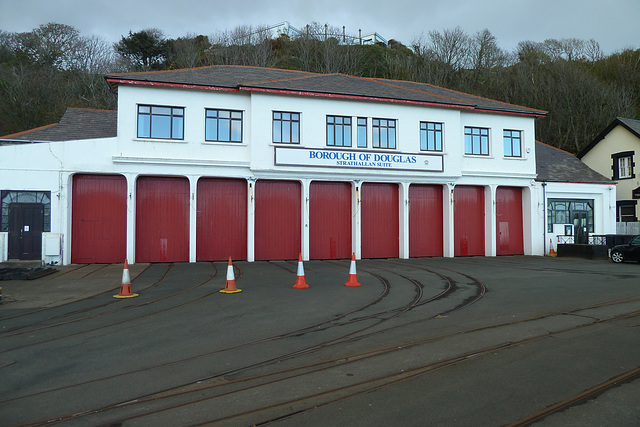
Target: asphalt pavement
(431,341)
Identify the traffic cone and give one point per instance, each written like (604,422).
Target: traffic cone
(551,251)
(353,277)
(230,287)
(125,288)
(301,282)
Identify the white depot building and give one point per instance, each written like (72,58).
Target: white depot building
(264,164)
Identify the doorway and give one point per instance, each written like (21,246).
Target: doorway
(26,224)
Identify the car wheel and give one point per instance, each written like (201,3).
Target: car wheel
(617,256)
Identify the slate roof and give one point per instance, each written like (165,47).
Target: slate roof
(76,123)
(631,125)
(555,165)
(305,83)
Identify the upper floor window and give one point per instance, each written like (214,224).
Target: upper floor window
(623,165)
(223,125)
(430,136)
(384,133)
(339,131)
(286,127)
(160,122)
(362,132)
(512,143)
(476,141)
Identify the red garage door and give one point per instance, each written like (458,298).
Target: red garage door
(425,220)
(98,219)
(380,220)
(277,220)
(330,220)
(162,219)
(221,219)
(468,224)
(509,230)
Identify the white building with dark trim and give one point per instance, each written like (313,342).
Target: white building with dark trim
(264,164)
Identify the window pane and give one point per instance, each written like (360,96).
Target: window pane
(339,133)
(467,144)
(144,109)
(507,147)
(144,126)
(286,130)
(330,138)
(178,128)
(362,136)
(161,127)
(211,130)
(225,129)
(392,137)
(295,132)
(165,111)
(347,137)
(277,131)
(236,131)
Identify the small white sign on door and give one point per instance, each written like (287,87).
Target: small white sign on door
(26,228)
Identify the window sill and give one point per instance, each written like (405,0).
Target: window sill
(236,144)
(170,141)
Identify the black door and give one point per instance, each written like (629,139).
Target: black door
(26,222)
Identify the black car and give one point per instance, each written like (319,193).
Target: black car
(627,252)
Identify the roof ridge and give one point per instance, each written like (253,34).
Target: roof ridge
(468,94)
(25,132)
(92,109)
(385,81)
(205,67)
(556,148)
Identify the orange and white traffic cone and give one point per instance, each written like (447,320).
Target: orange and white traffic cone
(125,288)
(551,251)
(230,287)
(301,282)
(353,277)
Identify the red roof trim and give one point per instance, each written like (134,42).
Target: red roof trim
(25,132)
(517,113)
(318,94)
(166,84)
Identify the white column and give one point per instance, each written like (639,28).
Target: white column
(404,220)
(490,220)
(447,220)
(131,217)
(306,183)
(193,217)
(251,223)
(356,234)
(64,193)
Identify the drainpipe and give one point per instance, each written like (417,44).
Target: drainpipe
(544,221)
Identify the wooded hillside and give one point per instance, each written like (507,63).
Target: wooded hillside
(53,67)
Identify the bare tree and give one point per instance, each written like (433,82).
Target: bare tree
(484,52)
(450,47)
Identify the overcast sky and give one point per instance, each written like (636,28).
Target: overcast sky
(612,23)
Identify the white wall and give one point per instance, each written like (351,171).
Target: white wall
(603,195)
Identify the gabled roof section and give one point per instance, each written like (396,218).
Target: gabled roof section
(631,125)
(555,165)
(76,123)
(225,77)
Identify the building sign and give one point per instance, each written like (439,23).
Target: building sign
(636,193)
(351,159)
